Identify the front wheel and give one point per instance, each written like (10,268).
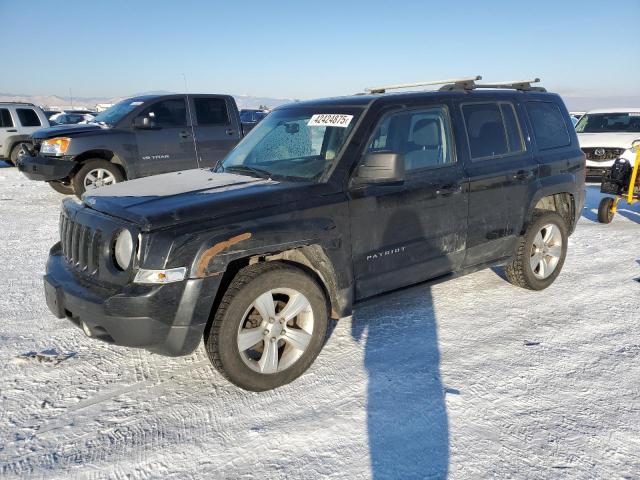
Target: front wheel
(540,252)
(15,153)
(95,173)
(269,327)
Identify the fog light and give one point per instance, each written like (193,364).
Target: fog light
(161,276)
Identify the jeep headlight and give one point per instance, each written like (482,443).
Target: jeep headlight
(123,249)
(635,145)
(55,146)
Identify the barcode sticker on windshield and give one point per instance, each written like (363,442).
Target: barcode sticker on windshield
(135,104)
(330,120)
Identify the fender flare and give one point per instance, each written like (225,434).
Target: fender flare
(565,184)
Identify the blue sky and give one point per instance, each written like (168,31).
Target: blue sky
(306,49)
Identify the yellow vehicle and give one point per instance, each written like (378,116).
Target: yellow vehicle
(623,181)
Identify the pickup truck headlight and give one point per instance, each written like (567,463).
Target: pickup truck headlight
(55,146)
(123,249)
(169,275)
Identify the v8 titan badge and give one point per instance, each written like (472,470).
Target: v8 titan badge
(330,120)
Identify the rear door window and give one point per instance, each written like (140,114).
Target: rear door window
(549,128)
(493,130)
(211,111)
(5,118)
(512,128)
(28,117)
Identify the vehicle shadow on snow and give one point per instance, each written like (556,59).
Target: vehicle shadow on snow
(406,414)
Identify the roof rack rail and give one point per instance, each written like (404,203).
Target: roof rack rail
(466,83)
(523,85)
(20,103)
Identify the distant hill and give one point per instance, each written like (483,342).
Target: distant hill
(244,101)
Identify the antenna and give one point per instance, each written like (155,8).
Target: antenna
(467,83)
(193,131)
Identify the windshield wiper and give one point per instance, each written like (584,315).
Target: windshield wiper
(247,169)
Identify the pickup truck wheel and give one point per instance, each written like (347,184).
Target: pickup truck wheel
(63,188)
(605,214)
(95,173)
(269,327)
(540,252)
(15,151)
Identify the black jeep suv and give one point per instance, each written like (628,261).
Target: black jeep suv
(323,204)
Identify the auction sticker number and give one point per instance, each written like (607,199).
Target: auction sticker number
(330,120)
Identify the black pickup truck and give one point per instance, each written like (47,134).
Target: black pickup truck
(137,137)
(324,204)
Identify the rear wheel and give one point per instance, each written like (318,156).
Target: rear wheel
(605,210)
(540,252)
(63,188)
(95,173)
(269,327)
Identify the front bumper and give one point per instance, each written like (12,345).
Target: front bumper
(166,319)
(44,168)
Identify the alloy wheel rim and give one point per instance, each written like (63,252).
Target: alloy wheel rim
(98,177)
(275,330)
(546,251)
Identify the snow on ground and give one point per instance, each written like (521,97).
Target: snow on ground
(472,378)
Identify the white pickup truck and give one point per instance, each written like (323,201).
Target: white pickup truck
(607,134)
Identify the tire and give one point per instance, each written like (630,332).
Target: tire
(605,215)
(539,259)
(236,315)
(15,151)
(63,188)
(91,167)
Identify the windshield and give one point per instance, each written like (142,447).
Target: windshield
(117,112)
(293,144)
(609,122)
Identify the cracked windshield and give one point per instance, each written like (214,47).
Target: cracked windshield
(292,144)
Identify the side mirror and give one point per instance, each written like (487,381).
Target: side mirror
(380,168)
(144,123)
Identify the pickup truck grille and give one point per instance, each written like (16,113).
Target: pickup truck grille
(80,245)
(601,154)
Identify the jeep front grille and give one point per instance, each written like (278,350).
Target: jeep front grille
(80,245)
(601,154)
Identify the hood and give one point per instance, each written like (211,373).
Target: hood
(190,196)
(609,139)
(66,130)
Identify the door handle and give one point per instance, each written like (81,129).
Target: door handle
(448,190)
(184,134)
(523,175)
(12,130)
(229,131)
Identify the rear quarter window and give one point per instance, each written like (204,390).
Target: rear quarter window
(28,117)
(549,127)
